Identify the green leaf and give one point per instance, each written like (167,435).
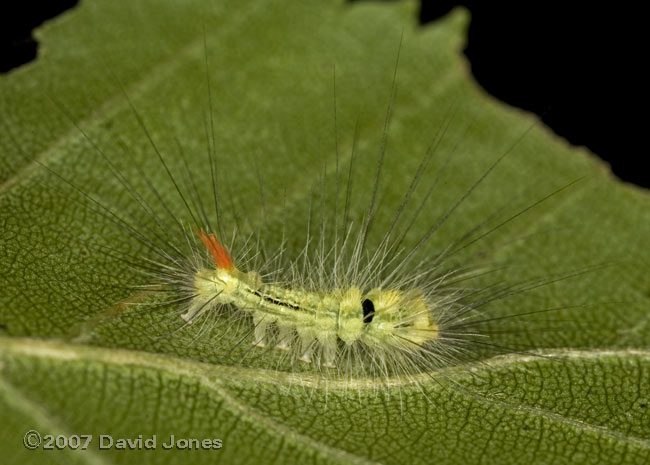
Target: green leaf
(75,358)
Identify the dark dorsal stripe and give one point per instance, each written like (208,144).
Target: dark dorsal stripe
(275,301)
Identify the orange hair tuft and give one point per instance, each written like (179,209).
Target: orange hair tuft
(218,251)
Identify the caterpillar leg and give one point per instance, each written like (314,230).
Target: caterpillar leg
(329,350)
(307,339)
(261,326)
(197,308)
(284,338)
(306,356)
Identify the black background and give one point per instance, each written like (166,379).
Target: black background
(578,68)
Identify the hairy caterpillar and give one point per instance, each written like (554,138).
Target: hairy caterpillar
(343,306)
(360,296)
(348,310)
(383,319)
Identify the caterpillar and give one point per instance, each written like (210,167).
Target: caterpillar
(379,318)
(339,309)
(361,296)
(345,307)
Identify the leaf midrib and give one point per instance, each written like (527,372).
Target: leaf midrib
(209,374)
